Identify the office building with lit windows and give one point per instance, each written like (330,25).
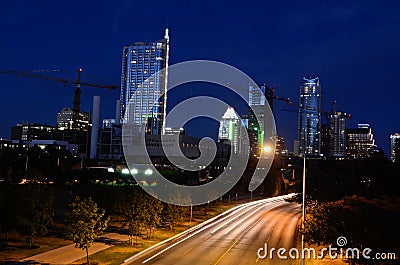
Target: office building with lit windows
(140,62)
(360,142)
(31,131)
(395,147)
(337,134)
(68,119)
(309,127)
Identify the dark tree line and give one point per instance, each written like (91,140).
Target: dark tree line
(366,223)
(27,209)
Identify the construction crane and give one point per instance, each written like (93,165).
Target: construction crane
(269,94)
(77,83)
(327,114)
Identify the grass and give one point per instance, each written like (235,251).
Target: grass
(16,249)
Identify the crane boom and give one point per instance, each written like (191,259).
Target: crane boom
(32,75)
(77,83)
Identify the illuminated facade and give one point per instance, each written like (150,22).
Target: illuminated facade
(309,128)
(140,62)
(360,142)
(68,119)
(257,102)
(231,130)
(337,134)
(395,147)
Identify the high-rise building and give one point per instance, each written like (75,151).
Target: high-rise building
(360,142)
(231,130)
(140,62)
(257,103)
(309,128)
(395,147)
(68,119)
(337,134)
(280,149)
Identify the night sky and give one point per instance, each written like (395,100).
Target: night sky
(353,46)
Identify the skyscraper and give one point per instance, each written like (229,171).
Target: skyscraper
(309,128)
(140,62)
(337,134)
(395,147)
(257,103)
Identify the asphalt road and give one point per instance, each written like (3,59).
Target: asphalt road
(232,238)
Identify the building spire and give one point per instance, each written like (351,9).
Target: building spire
(166,36)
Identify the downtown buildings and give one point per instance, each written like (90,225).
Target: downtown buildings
(331,138)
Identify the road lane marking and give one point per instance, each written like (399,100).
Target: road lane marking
(236,217)
(251,214)
(237,240)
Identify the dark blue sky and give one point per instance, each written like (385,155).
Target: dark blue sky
(353,46)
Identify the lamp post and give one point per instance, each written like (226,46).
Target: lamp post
(26,164)
(304,194)
(304,207)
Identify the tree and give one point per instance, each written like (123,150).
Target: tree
(365,223)
(130,212)
(149,212)
(173,214)
(35,212)
(84,223)
(9,209)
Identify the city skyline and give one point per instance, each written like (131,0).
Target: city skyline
(353,83)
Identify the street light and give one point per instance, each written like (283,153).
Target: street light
(148,172)
(125,171)
(267,149)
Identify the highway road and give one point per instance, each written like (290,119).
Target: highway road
(232,238)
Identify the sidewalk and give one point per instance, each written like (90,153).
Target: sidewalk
(69,254)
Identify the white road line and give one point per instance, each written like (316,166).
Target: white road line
(251,214)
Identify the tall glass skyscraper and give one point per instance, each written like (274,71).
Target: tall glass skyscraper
(337,134)
(258,98)
(141,61)
(309,128)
